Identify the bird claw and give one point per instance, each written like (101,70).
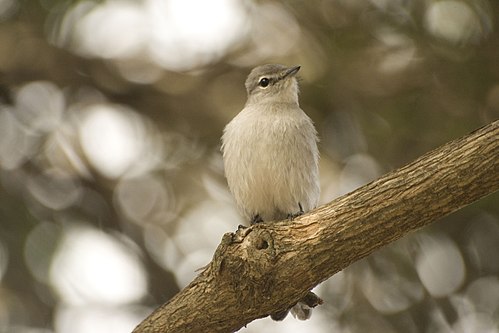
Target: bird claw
(256,219)
(292,216)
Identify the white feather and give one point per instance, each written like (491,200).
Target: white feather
(271,157)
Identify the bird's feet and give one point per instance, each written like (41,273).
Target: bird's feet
(256,219)
(292,216)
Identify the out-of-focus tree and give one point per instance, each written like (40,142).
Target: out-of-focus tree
(111,184)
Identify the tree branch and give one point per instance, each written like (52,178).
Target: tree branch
(270,266)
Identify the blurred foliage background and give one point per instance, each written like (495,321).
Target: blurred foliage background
(111,182)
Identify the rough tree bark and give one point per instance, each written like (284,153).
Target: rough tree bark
(270,266)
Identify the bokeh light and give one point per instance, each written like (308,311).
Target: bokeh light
(174,34)
(16,144)
(113,138)
(440,265)
(457,21)
(97,319)
(107,272)
(145,199)
(40,106)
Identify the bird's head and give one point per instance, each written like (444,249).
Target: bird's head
(273,83)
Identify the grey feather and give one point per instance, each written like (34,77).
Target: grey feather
(270,149)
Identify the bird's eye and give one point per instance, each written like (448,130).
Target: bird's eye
(264,82)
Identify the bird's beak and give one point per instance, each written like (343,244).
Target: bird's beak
(291,71)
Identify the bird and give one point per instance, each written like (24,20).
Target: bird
(270,154)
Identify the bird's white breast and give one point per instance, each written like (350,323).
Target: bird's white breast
(271,160)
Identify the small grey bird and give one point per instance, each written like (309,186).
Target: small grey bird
(270,153)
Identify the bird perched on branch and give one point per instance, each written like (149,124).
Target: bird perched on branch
(270,154)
